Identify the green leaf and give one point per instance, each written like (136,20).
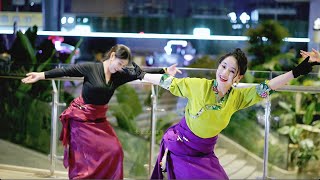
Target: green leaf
(125,119)
(22,90)
(127,95)
(306,144)
(43,65)
(68,60)
(27,46)
(308,116)
(316,124)
(284,130)
(285,106)
(295,133)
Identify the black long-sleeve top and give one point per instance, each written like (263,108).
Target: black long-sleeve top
(95,89)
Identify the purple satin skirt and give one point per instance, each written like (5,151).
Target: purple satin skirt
(189,156)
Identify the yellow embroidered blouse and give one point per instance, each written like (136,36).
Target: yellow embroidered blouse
(205,115)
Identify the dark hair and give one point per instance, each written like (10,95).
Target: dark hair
(240,57)
(121,51)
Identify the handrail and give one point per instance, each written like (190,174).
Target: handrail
(286,88)
(200,69)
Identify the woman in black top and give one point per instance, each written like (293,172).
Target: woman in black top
(92,149)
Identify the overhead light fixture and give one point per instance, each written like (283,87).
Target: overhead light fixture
(233,17)
(202,32)
(244,17)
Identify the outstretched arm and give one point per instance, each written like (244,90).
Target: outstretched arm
(78,70)
(155,78)
(280,80)
(305,67)
(172,70)
(138,73)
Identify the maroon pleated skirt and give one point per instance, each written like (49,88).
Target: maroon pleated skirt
(92,148)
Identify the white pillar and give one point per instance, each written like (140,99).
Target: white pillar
(314,13)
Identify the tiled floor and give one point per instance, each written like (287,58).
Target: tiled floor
(17,162)
(18,172)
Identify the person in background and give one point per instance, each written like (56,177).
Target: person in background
(187,148)
(92,148)
(98,55)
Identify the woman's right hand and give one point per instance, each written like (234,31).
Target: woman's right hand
(33,77)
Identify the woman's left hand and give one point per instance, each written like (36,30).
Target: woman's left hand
(172,70)
(314,55)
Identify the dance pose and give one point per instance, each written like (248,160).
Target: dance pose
(92,148)
(186,150)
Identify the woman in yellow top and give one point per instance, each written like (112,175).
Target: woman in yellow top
(186,150)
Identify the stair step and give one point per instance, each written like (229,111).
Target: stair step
(243,173)
(219,152)
(256,175)
(227,159)
(235,166)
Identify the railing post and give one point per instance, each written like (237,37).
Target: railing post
(266,138)
(153,126)
(53,142)
(266,135)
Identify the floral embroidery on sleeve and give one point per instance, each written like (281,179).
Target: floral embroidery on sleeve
(263,89)
(166,81)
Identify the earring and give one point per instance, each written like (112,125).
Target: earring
(235,84)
